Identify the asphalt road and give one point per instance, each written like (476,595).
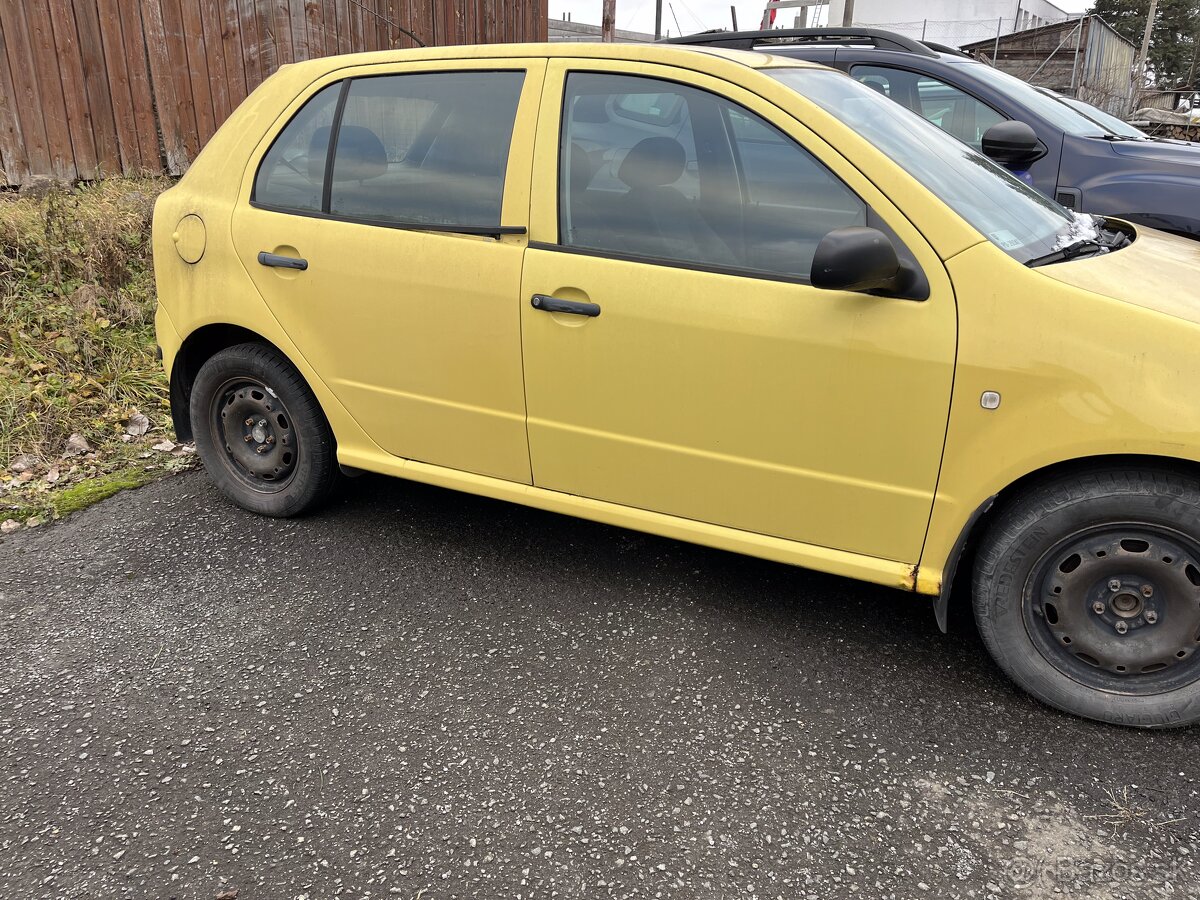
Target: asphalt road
(428,695)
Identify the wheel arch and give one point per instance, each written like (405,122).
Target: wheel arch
(956,572)
(196,349)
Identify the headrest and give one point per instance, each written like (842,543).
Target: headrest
(360,154)
(653,162)
(582,170)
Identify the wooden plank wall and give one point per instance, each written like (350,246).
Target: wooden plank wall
(90,88)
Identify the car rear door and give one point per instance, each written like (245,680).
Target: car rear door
(393,263)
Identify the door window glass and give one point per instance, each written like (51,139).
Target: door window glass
(691,178)
(425,149)
(950,109)
(293,170)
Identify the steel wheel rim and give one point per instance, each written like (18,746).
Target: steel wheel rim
(255,434)
(1117,608)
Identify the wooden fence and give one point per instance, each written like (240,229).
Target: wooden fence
(90,88)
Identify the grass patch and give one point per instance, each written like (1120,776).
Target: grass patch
(77,348)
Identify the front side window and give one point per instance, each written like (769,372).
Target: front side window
(691,178)
(421,149)
(950,109)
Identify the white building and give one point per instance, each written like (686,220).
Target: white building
(951,22)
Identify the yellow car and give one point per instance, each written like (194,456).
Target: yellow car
(725,297)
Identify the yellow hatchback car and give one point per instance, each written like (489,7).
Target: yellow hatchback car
(724,297)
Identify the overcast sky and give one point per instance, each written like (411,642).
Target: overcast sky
(698,15)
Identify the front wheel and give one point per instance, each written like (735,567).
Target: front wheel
(1087,594)
(260,432)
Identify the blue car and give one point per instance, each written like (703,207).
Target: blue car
(1085,164)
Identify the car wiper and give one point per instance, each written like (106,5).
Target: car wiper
(1071,251)
(1084,247)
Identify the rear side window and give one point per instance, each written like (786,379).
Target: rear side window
(422,149)
(293,170)
(426,149)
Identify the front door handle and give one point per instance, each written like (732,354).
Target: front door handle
(547,303)
(274,260)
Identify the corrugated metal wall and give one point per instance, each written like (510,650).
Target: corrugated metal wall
(90,88)
(1107,77)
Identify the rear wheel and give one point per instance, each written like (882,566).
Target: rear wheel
(1087,594)
(260,432)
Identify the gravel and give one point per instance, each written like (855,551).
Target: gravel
(422,694)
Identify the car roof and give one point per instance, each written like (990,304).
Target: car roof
(658,52)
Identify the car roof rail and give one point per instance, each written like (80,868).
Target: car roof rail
(746,40)
(945,48)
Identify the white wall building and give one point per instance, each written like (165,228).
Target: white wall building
(952,22)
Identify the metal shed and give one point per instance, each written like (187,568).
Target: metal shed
(1083,57)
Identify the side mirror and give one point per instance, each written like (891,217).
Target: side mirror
(1012,144)
(856,259)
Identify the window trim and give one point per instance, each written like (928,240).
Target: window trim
(335,130)
(494,231)
(486,230)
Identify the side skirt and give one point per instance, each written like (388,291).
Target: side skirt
(809,556)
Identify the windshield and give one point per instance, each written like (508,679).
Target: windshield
(1057,114)
(1011,215)
(1110,122)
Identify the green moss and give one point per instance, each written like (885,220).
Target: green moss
(82,495)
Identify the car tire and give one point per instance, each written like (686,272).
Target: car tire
(260,432)
(1086,591)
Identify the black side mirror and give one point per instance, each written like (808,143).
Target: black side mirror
(857,259)
(1012,144)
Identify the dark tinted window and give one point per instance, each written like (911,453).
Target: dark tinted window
(947,107)
(426,148)
(690,177)
(293,170)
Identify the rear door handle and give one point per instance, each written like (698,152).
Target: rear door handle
(547,303)
(276,261)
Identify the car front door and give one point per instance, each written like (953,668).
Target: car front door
(678,360)
(393,261)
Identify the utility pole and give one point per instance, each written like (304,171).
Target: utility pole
(608,21)
(658,20)
(1139,64)
(848,14)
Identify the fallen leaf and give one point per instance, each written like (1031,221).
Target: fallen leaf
(230,894)
(76,444)
(137,424)
(25,476)
(164,446)
(53,475)
(23,463)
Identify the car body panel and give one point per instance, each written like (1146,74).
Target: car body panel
(1088,364)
